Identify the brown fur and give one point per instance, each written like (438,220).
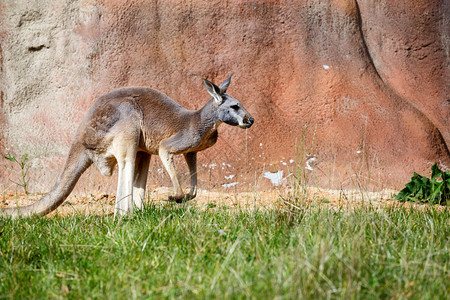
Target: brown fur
(127,126)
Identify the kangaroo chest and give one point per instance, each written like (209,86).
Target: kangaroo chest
(205,142)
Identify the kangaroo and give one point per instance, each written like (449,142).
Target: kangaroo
(129,125)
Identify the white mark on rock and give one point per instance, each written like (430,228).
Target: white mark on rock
(310,162)
(229,177)
(326,67)
(275,178)
(228,185)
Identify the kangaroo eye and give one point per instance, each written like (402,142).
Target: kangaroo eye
(235,107)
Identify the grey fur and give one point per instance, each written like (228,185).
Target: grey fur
(126,127)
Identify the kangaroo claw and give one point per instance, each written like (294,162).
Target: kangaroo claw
(181,199)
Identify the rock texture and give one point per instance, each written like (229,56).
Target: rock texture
(355,92)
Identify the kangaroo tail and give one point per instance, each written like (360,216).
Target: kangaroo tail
(77,162)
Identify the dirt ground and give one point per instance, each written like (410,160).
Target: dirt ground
(103,204)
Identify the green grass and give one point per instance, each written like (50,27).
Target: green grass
(183,252)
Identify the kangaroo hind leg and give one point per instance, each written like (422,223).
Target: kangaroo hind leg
(124,196)
(140,178)
(124,149)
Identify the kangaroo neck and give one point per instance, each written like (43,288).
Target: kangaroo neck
(208,119)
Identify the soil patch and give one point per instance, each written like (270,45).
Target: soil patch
(103,204)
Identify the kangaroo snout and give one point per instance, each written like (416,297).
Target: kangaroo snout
(248,122)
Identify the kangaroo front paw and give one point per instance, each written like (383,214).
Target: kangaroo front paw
(181,199)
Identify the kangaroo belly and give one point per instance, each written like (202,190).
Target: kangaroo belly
(187,141)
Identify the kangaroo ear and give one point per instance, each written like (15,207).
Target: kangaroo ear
(225,84)
(213,90)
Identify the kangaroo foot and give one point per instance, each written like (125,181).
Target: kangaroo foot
(182,198)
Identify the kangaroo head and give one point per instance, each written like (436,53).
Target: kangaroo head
(228,109)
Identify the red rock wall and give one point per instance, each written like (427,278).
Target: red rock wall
(359,86)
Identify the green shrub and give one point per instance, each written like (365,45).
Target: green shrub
(423,189)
